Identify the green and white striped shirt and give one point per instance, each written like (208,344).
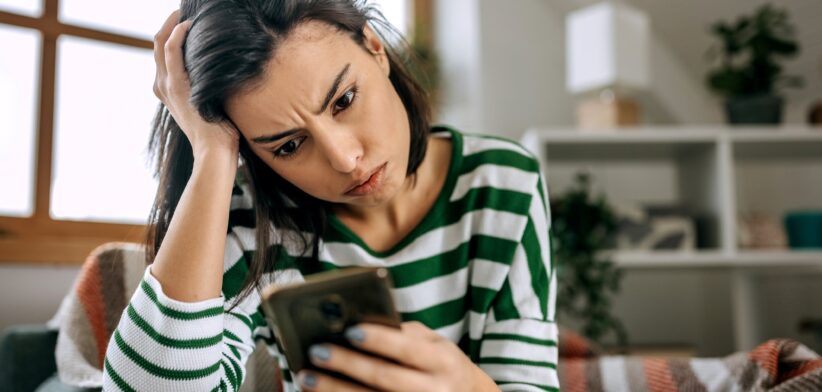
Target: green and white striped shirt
(477,270)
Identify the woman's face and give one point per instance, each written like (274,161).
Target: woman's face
(326,116)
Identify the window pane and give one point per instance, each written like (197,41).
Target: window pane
(103,117)
(19,67)
(135,18)
(397,12)
(26,7)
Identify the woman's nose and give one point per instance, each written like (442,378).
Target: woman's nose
(342,148)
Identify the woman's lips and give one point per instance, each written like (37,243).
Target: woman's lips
(370,185)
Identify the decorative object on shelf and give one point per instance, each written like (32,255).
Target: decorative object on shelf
(759,230)
(607,60)
(804,229)
(653,228)
(748,73)
(581,227)
(815,114)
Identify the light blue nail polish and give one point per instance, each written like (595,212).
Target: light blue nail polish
(319,352)
(355,334)
(309,380)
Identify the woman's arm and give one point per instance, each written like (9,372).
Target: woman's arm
(189,263)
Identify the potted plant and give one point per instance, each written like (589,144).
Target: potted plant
(749,72)
(581,227)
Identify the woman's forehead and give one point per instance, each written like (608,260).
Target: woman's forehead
(304,67)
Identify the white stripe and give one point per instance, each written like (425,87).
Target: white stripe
(500,224)
(552,297)
(247,237)
(232,251)
(476,324)
(496,176)
(518,350)
(476,143)
(519,279)
(242,202)
(453,332)
(432,292)
(522,373)
(536,329)
(613,373)
(713,374)
(488,274)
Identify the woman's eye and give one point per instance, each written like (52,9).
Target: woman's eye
(345,101)
(289,148)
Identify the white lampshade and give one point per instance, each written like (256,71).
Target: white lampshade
(607,46)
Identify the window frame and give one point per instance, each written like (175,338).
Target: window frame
(40,239)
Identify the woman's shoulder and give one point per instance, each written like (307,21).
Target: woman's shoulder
(485,149)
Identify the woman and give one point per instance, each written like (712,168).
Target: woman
(339,168)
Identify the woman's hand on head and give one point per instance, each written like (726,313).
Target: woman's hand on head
(172,87)
(423,361)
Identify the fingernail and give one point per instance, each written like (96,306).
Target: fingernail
(308,380)
(355,334)
(321,353)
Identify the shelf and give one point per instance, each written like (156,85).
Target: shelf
(716,259)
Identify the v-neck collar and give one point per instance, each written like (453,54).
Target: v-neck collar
(436,210)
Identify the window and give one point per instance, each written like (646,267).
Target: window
(18,76)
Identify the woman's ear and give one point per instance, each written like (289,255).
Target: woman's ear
(377,49)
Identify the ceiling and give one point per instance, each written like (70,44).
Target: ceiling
(683,26)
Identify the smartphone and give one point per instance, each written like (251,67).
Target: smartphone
(320,309)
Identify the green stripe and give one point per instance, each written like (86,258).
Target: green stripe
(519,338)
(167,341)
(499,158)
(230,375)
(543,387)
(232,336)
(122,384)
(504,308)
(515,361)
(236,365)
(286,375)
(159,371)
(477,247)
(536,267)
(481,298)
(177,314)
(441,315)
(245,319)
(233,278)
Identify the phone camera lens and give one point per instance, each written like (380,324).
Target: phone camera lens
(333,312)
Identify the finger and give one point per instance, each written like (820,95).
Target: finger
(161,37)
(371,371)
(315,381)
(410,346)
(419,329)
(174,54)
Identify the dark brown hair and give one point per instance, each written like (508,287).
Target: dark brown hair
(226,51)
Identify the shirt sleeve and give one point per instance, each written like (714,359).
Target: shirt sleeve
(518,347)
(162,344)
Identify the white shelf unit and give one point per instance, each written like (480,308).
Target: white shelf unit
(715,172)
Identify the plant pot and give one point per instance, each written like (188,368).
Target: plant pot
(754,109)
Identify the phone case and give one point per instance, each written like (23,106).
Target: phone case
(320,309)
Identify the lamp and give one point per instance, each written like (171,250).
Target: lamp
(607,58)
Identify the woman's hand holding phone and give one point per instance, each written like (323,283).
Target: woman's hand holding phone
(172,87)
(425,361)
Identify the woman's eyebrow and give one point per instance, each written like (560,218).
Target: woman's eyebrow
(328,96)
